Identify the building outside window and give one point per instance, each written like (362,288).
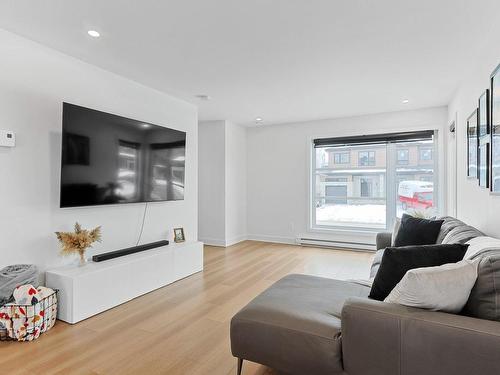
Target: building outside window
(341,157)
(426,154)
(403,156)
(366,158)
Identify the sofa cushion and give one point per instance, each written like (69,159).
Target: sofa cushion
(396,261)
(481,246)
(449,223)
(377,259)
(461,234)
(294,326)
(484,299)
(442,288)
(417,231)
(395,230)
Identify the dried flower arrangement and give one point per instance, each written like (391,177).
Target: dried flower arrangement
(78,241)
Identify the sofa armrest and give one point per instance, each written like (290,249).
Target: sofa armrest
(380,338)
(383,240)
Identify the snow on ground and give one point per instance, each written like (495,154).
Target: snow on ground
(351,214)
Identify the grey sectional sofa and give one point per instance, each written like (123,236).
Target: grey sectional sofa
(313,326)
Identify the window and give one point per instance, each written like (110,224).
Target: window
(336,179)
(366,158)
(403,156)
(167,171)
(365,187)
(426,154)
(353,196)
(341,158)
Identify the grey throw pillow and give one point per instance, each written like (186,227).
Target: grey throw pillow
(484,299)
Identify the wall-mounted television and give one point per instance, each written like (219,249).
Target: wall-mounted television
(109,159)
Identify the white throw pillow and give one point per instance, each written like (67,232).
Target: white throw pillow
(443,288)
(479,246)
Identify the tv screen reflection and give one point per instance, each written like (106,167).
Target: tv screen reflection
(109,159)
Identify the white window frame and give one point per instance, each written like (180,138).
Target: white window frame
(391,165)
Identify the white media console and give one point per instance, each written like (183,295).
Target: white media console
(98,286)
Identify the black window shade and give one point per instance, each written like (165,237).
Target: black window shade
(374,138)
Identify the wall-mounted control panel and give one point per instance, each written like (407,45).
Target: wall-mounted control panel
(7,138)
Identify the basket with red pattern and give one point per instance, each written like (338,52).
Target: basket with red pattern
(26,322)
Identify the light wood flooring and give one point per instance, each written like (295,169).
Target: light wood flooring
(182,328)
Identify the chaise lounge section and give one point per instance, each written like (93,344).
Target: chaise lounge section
(295,325)
(310,325)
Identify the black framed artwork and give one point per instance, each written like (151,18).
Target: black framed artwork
(484,114)
(472,145)
(483,126)
(484,163)
(495,131)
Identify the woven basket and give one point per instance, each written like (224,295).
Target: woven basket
(27,322)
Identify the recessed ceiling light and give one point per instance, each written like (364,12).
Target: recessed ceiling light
(94,33)
(202,97)
(405,101)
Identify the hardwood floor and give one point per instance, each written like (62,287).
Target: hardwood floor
(182,328)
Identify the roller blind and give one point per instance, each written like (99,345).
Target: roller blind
(375,138)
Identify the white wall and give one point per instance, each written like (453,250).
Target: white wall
(222,183)
(279,169)
(236,183)
(34,81)
(211,182)
(475,205)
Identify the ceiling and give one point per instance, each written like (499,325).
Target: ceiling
(282,60)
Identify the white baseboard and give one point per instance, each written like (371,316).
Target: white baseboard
(235,240)
(274,239)
(212,241)
(222,242)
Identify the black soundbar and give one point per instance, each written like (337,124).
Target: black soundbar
(128,251)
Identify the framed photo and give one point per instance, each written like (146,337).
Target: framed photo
(472,145)
(495,131)
(179,235)
(484,163)
(484,114)
(484,137)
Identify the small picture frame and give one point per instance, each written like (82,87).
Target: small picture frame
(179,235)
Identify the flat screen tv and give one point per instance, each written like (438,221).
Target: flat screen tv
(109,159)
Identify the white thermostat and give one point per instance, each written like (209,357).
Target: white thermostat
(7,138)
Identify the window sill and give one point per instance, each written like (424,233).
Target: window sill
(348,230)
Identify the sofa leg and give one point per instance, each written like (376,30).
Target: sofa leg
(240,366)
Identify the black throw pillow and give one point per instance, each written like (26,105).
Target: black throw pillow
(417,231)
(396,261)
